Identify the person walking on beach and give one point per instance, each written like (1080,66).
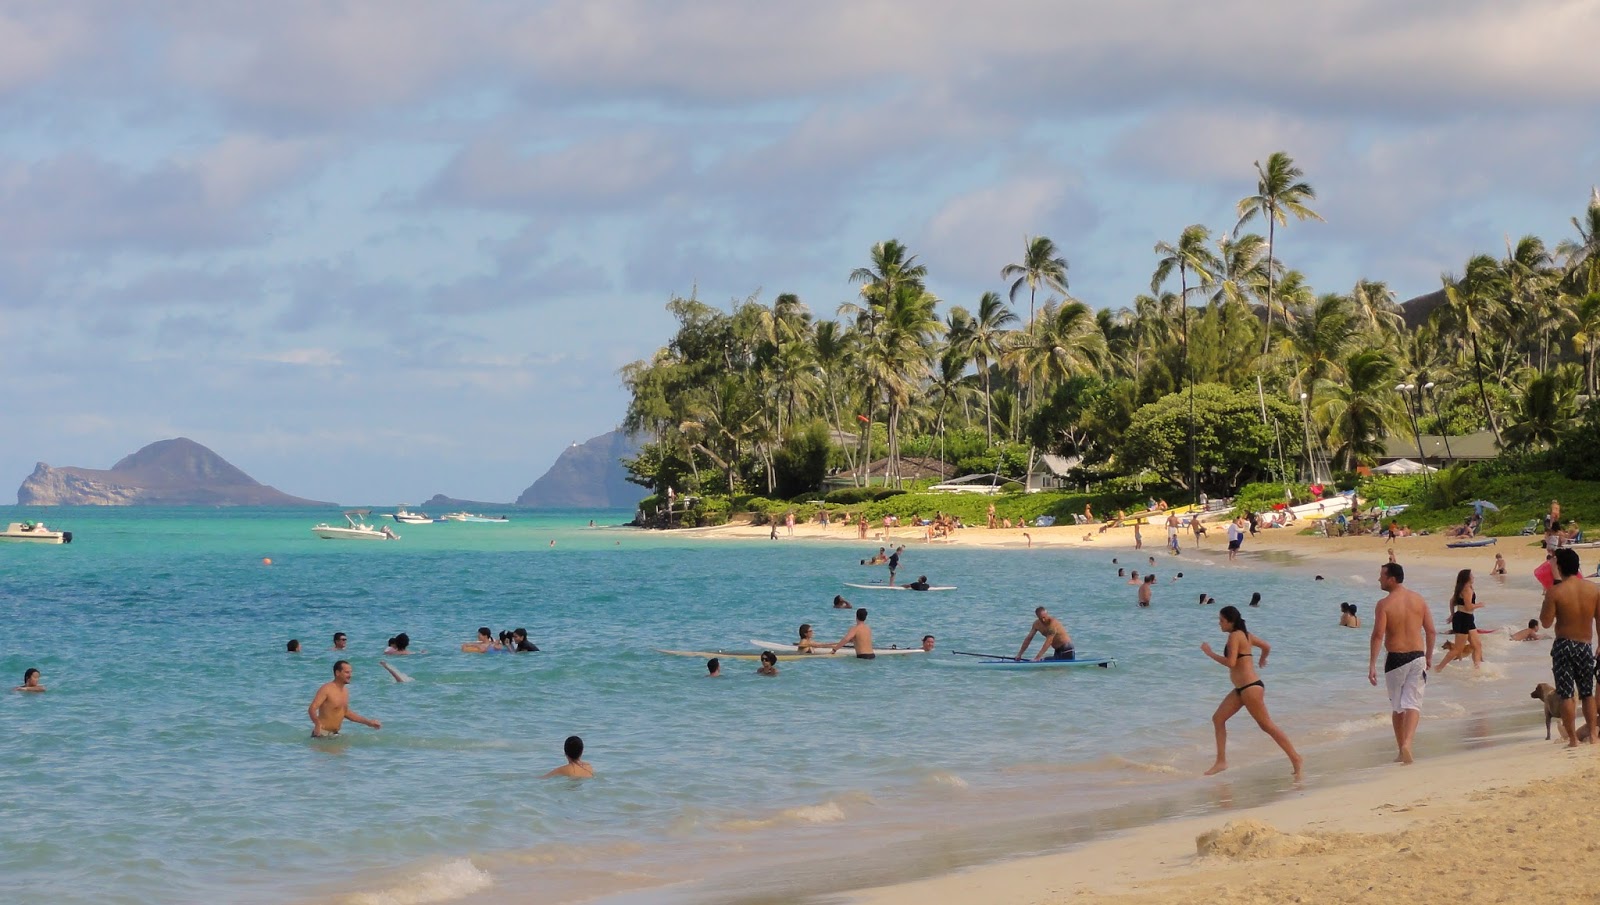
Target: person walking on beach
(1138,536)
(788,522)
(331,705)
(1463,603)
(991,516)
(1172,533)
(1053,636)
(1235,539)
(859,635)
(1147,589)
(1572,605)
(1402,625)
(1249,692)
(575,767)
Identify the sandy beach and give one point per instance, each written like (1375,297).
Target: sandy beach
(1510,823)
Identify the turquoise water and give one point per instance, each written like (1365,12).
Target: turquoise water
(170,760)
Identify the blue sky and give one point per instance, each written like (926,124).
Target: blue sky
(372,250)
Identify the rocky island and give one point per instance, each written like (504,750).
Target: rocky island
(588,475)
(178,472)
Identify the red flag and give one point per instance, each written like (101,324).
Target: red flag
(863,419)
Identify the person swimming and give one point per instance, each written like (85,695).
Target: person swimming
(30,681)
(575,767)
(839,603)
(769,664)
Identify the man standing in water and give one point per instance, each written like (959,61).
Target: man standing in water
(859,635)
(1403,626)
(331,707)
(1147,589)
(1054,635)
(1572,605)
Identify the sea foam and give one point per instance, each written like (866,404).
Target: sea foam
(441,883)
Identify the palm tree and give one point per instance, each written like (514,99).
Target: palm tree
(1375,305)
(949,387)
(1064,341)
(1472,302)
(1042,265)
(1317,341)
(1586,335)
(891,270)
(896,357)
(982,338)
(1582,257)
(1279,192)
(1545,411)
(1360,410)
(1189,254)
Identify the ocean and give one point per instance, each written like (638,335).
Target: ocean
(170,759)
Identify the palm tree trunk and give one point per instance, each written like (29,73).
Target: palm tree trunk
(988,404)
(1477,367)
(1272,223)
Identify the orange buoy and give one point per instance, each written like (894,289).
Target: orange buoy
(266,560)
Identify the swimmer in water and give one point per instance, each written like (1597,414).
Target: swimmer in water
(769,664)
(331,706)
(30,681)
(575,767)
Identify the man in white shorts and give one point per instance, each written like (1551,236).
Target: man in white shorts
(1403,626)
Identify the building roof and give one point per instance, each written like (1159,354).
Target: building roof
(1057,465)
(1469,447)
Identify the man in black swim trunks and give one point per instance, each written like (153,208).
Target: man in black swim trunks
(860,636)
(894,561)
(1403,626)
(1053,637)
(1572,605)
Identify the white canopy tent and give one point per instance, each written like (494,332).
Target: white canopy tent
(1403,466)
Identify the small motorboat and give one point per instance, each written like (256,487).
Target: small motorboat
(497,519)
(453,517)
(35,532)
(411,518)
(354,528)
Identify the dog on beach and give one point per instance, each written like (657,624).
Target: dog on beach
(1546,693)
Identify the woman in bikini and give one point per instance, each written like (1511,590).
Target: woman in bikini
(1463,603)
(1249,692)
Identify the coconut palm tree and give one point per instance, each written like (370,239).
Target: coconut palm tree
(981,339)
(1280,191)
(1042,265)
(1317,341)
(1581,257)
(892,269)
(1546,409)
(1361,409)
(1064,341)
(1376,308)
(1472,302)
(896,357)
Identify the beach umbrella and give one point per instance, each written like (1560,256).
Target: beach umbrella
(1479,505)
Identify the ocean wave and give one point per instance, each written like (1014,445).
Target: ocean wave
(451,880)
(832,810)
(562,854)
(942,779)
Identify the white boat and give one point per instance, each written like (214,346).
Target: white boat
(411,518)
(35,532)
(497,519)
(453,517)
(354,528)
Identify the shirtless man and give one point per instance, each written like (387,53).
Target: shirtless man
(331,707)
(894,561)
(1147,589)
(1052,635)
(575,767)
(860,636)
(1572,605)
(1403,626)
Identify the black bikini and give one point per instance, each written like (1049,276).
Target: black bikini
(1240,690)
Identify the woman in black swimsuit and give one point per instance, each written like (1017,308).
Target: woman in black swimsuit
(1249,692)
(1462,623)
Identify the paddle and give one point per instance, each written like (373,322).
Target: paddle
(988,656)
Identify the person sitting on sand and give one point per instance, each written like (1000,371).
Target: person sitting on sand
(575,767)
(1006,522)
(1531,633)
(30,681)
(483,645)
(769,664)
(1249,692)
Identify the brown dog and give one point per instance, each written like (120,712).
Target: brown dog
(1546,692)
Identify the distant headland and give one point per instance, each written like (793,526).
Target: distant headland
(177,472)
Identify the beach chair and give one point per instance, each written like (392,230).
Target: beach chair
(1532,527)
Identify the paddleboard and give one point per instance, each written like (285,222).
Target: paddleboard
(1484,542)
(747,655)
(1102,662)
(790,648)
(895,587)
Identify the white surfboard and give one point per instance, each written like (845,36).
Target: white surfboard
(896,587)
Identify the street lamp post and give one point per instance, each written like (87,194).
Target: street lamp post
(1406,390)
(1305,421)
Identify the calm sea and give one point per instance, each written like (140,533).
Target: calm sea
(169,761)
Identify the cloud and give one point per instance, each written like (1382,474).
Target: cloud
(604,172)
(976,233)
(39,39)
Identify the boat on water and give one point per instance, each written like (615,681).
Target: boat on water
(469,517)
(411,518)
(354,528)
(34,532)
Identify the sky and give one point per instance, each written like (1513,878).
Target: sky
(373,250)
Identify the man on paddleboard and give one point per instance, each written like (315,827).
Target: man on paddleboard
(894,561)
(1053,634)
(859,635)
